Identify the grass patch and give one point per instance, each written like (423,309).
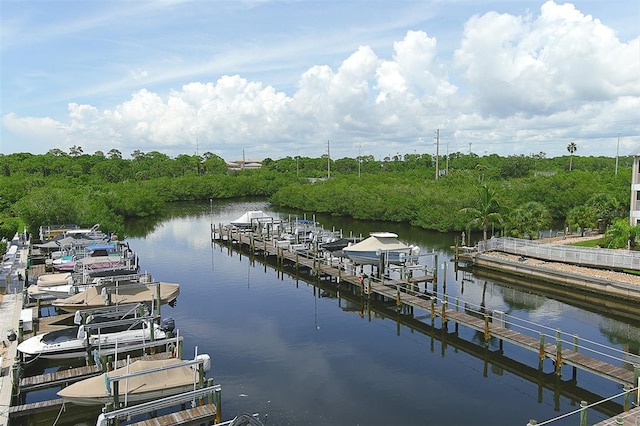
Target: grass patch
(599,242)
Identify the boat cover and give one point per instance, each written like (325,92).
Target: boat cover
(384,241)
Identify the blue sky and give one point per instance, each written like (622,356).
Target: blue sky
(283,78)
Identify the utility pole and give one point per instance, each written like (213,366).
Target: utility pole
(617,153)
(437,151)
(359,159)
(328,162)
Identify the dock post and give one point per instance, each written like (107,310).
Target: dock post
(435,273)
(444,274)
(218,406)
(445,302)
(158,295)
(487,333)
(541,352)
(583,413)
(20,330)
(558,353)
(15,375)
(116,394)
(210,396)
(627,397)
(398,298)
(38,306)
(433,311)
(636,378)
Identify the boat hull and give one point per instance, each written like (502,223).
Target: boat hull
(66,347)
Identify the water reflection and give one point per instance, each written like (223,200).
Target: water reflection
(308,351)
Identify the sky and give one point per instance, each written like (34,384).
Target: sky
(262,79)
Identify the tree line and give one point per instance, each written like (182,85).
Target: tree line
(528,193)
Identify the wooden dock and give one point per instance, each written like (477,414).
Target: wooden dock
(61,378)
(407,299)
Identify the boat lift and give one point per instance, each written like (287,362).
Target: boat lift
(109,418)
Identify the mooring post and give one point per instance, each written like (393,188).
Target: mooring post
(210,395)
(541,352)
(487,332)
(445,302)
(583,413)
(15,375)
(433,310)
(636,379)
(558,353)
(444,273)
(218,406)
(435,272)
(627,397)
(158,296)
(116,393)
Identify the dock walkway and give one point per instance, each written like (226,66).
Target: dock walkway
(404,295)
(10,310)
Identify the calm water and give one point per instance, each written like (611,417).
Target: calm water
(303,355)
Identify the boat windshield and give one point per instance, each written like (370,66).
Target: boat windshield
(62,335)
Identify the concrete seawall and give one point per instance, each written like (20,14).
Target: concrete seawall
(588,282)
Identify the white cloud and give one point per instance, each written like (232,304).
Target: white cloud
(516,84)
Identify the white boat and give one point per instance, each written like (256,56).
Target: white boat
(73,287)
(75,341)
(251,218)
(380,246)
(148,380)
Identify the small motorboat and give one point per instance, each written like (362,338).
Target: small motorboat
(370,251)
(97,296)
(76,341)
(339,243)
(149,380)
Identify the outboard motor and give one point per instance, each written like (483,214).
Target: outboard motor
(206,362)
(168,325)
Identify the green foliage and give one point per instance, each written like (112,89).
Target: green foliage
(60,187)
(528,219)
(487,210)
(8,227)
(621,235)
(582,217)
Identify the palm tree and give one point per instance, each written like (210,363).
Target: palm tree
(486,212)
(572,147)
(622,235)
(528,219)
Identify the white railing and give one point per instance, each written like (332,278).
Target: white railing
(599,257)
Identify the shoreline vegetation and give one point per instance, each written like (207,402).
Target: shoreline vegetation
(527,193)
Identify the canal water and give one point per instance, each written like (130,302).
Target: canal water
(300,351)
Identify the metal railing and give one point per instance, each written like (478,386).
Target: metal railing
(597,257)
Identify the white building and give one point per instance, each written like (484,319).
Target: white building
(634,213)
